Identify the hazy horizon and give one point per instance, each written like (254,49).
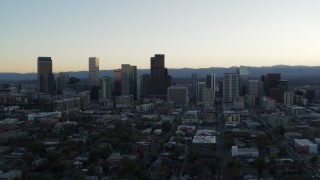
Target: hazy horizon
(192,34)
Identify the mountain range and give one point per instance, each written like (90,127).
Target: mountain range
(285,70)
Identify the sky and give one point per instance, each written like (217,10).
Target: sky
(194,34)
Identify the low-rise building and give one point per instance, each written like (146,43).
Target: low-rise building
(43,115)
(244,152)
(231,118)
(305,146)
(268,103)
(296,110)
(278,120)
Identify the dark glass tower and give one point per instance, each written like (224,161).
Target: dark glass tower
(46,83)
(159,79)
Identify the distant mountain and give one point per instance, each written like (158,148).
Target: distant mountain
(285,70)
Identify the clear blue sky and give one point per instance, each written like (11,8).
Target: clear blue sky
(191,33)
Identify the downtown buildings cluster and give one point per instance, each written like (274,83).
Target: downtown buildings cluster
(154,126)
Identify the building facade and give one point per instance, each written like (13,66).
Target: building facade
(159,79)
(178,95)
(230,87)
(46,83)
(129,80)
(94,71)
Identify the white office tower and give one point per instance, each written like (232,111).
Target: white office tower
(230,87)
(106,89)
(94,71)
(253,87)
(178,95)
(199,87)
(288,98)
(207,97)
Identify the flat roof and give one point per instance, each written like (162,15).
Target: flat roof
(204,139)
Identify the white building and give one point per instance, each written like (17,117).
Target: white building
(145,107)
(288,98)
(268,103)
(296,110)
(230,87)
(305,145)
(178,95)
(43,115)
(94,71)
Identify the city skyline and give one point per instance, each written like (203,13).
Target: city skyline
(199,34)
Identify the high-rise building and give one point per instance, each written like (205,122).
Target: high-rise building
(45,82)
(62,82)
(106,89)
(253,87)
(194,79)
(200,86)
(230,86)
(178,95)
(211,82)
(144,85)
(117,82)
(159,79)
(208,97)
(244,75)
(129,80)
(94,71)
(271,81)
(288,98)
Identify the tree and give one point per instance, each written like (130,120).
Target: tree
(314,159)
(260,164)
(166,126)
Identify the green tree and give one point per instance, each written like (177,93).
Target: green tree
(260,164)
(314,159)
(166,126)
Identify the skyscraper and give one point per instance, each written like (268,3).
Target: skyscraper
(253,87)
(194,79)
(271,81)
(230,86)
(106,89)
(94,71)
(288,98)
(129,80)
(244,75)
(62,82)
(144,85)
(117,82)
(45,81)
(200,86)
(208,97)
(160,80)
(211,81)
